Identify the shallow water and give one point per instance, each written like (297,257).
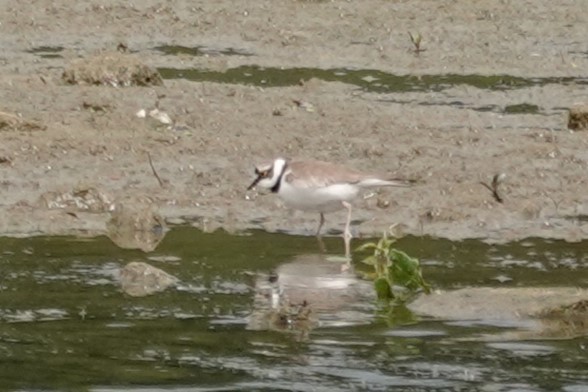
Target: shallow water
(368,79)
(65,324)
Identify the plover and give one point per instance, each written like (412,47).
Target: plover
(318,186)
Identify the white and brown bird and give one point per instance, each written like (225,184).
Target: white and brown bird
(318,186)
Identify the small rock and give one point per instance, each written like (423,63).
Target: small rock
(135,224)
(140,279)
(307,106)
(382,203)
(578,117)
(160,116)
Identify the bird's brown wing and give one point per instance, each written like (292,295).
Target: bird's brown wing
(313,174)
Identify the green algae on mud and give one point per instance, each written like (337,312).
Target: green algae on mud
(175,50)
(370,80)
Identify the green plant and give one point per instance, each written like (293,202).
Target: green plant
(393,268)
(416,41)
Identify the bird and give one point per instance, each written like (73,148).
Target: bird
(318,186)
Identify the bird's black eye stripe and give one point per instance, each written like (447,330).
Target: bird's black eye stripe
(264,173)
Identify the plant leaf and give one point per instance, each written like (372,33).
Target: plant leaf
(367,245)
(406,271)
(383,289)
(370,260)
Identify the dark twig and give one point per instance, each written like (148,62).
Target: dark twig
(161,183)
(493,187)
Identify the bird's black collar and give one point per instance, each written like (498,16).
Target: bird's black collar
(276,188)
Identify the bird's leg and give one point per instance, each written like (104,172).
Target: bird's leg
(347,232)
(321,223)
(318,233)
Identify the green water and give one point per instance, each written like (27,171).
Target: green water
(66,325)
(367,79)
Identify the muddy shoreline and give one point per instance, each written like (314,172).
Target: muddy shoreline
(451,137)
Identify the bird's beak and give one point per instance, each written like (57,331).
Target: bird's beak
(259,177)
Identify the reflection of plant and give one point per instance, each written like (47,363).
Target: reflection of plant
(393,267)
